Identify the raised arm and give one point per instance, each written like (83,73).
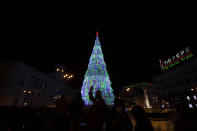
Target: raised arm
(91,95)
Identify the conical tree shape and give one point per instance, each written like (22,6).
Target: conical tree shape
(97,76)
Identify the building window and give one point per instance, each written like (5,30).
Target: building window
(167,85)
(16,101)
(187,80)
(52,88)
(37,84)
(43,85)
(195,78)
(182,82)
(176,83)
(188,98)
(18,92)
(32,83)
(22,81)
(194,97)
(190,106)
(47,87)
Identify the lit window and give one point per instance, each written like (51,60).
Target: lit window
(194,97)
(162,106)
(188,98)
(190,106)
(58,69)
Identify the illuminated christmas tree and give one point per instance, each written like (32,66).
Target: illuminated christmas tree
(97,76)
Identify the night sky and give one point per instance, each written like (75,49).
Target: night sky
(133,37)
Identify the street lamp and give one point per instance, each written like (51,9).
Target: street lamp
(67,76)
(192,89)
(58,69)
(128,89)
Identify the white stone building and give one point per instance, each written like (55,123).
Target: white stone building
(22,85)
(174,85)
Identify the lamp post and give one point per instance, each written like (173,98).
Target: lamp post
(67,77)
(27,95)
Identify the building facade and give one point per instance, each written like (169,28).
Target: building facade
(178,85)
(22,85)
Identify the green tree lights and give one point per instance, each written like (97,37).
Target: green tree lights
(97,76)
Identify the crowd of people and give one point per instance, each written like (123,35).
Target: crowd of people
(74,116)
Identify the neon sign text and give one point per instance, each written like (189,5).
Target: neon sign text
(176,59)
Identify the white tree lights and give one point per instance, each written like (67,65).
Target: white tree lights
(97,76)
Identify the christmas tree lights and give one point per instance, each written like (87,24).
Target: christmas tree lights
(97,76)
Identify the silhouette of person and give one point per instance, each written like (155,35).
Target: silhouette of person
(98,101)
(142,122)
(76,109)
(120,120)
(97,114)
